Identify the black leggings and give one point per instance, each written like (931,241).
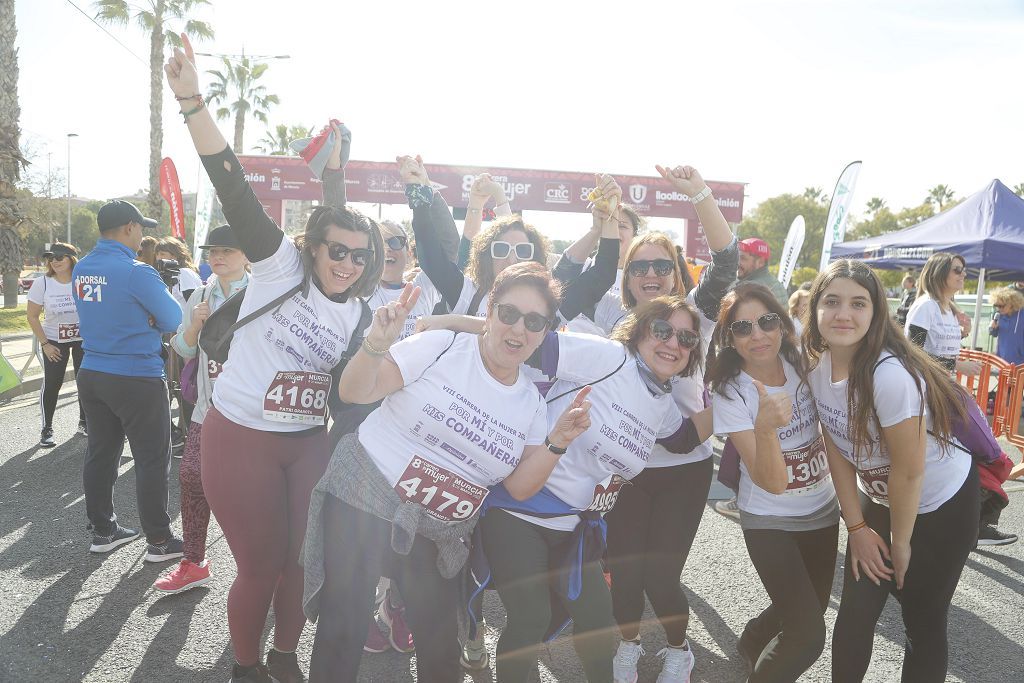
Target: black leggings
(53,378)
(940,544)
(796,568)
(650,531)
(357,550)
(520,555)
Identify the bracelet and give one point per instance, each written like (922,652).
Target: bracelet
(701,196)
(557,450)
(470,208)
(197,96)
(856,527)
(190,112)
(373,350)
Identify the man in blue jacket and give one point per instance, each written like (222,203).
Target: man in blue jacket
(124,306)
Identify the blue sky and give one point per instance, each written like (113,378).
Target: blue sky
(780,95)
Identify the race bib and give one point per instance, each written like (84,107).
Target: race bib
(213,369)
(875,482)
(445,495)
(297,397)
(68,332)
(606,493)
(807,467)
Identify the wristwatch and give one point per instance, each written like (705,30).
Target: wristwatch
(553,448)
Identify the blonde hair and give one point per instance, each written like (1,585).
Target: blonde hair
(796,297)
(658,239)
(1007,296)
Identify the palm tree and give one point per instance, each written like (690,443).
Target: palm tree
(940,195)
(11,159)
(1018,189)
(275,142)
(876,204)
(815,194)
(237,90)
(154,17)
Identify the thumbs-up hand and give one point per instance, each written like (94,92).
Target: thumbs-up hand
(773,410)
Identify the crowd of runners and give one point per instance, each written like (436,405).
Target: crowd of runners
(385,425)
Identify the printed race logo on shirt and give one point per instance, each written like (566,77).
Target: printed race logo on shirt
(90,287)
(68,332)
(607,493)
(445,495)
(297,397)
(875,482)
(807,467)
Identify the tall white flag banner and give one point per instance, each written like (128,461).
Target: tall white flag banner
(791,250)
(838,211)
(204,212)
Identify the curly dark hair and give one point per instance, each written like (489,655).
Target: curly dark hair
(481,265)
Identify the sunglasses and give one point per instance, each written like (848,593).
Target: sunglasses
(56,257)
(524,250)
(639,267)
(959,270)
(662,330)
(510,315)
(398,242)
(338,252)
(769,322)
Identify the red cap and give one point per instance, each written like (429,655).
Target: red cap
(757,247)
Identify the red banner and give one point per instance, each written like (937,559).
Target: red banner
(170,189)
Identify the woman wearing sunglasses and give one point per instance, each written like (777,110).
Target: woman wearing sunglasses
(57,332)
(458,416)
(788,508)
(909,497)
(263,443)
(932,320)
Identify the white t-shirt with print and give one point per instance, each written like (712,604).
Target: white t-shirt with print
(810,483)
(469,290)
(453,413)
(429,297)
(188,280)
(625,420)
(257,386)
(943,328)
(895,400)
(60,317)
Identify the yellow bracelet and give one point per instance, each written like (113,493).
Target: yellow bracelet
(373,350)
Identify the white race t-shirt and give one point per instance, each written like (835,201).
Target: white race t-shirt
(429,297)
(625,420)
(187,280)
(895,400)
(943,327)
(452,413)
(277,375)
(810,484)
(60,317)
(469,290)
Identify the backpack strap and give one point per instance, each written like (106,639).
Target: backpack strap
(365,317)
(277,301)
(566,393)
(474,303)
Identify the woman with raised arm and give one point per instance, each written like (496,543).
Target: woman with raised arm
(908,493)
(458,416)
(788,508)
(263,444)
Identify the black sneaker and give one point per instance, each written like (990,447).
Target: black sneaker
(104,544)
(171,549)
(990,535)
(284,667)
(256,673)
(46,438)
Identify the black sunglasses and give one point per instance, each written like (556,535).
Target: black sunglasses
(56,257)
(338,252)
(500,249)
(398,242)
(769,322)
(959,270)
(639,267)
(510,315)
(662,330)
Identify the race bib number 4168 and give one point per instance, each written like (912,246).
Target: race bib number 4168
(297,397)
(444,494)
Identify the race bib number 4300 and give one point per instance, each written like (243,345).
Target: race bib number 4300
(444,494)
(297,397)
(807,467)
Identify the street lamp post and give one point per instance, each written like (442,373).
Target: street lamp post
(70,135)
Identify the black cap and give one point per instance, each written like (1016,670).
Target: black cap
(119,212)
(60,250)
(221,236)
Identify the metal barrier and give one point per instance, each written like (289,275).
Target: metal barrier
(34,354)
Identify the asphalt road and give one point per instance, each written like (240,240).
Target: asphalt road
(67,615)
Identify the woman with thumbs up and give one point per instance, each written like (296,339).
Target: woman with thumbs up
(788,507)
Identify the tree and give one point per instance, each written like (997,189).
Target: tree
(275,142)
(11,160)
(770,220)
(815,194)
(876,204)
(1018,189)
(940,195)
(155,18)
(237,89)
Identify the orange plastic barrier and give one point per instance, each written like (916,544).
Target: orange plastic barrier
(1009,399)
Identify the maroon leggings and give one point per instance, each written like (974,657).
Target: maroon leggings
(258,485)
(195,511)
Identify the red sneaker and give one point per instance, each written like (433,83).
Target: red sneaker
(376,641)
(397,630)
(183,577)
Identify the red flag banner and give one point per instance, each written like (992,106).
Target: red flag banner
(170,189)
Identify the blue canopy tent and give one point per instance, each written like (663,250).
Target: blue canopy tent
(986,229)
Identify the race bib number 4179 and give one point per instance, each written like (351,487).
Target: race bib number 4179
(444,494)
(297,397)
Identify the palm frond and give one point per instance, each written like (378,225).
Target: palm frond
(112,11)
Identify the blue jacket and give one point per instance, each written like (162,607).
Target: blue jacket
(1009,334)
(117,297)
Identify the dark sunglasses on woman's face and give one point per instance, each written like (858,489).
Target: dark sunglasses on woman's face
(639,267)
(398,242)
(56,257)
(959,270)
(510,315)
(500,249)
(769,322)
(662,330)
(338,252)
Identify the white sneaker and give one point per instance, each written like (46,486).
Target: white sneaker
(728,508)
(677,665)
(624,663)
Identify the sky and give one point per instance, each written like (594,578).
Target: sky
(779,95)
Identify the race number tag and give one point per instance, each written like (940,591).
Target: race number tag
(68,332)
(875,482)
(807,467)
(445,495)
(297,397)
(606,493)
(213,369)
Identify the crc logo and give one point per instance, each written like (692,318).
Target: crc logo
(557,193)
(637,193)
